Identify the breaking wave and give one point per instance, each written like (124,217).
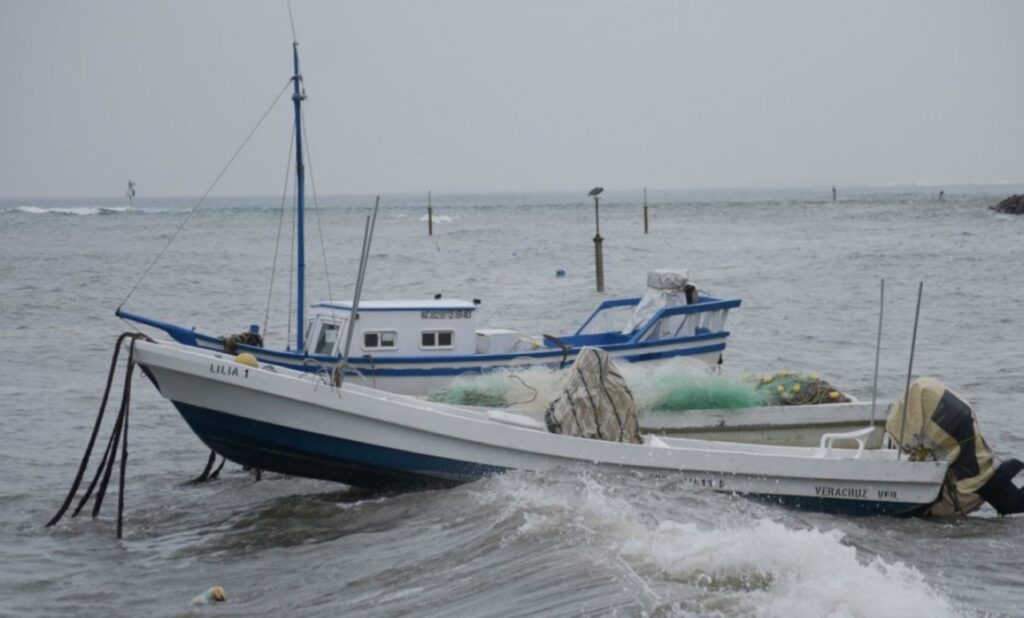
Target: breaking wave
(439,218)
(735,563)
(80,211)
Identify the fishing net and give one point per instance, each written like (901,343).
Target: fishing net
(680,385)
(498,389)
(675,385)
(790,388)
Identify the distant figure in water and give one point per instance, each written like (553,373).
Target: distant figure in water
(942,195)
(833,193)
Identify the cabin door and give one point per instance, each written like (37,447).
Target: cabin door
(326,335)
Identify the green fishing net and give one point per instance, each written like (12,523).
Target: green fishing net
(466,395)
(695,391)
(665,388)
(492,390)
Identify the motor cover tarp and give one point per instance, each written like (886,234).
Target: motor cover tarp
(941,425)
(665,288)
(594,402)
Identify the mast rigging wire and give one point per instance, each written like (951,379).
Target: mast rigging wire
(202,199)
(316,208)
(280,224)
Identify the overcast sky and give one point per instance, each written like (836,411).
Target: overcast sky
(517,96)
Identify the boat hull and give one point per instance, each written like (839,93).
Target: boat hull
(299,453)
(311,455)
(291,423)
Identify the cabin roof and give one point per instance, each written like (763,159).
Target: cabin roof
(401,305)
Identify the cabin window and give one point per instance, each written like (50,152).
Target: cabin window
(436,339)
(380,340)
(327,339)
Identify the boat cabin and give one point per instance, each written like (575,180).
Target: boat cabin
(394,328)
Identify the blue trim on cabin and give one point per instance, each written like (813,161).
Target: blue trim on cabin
(595,339)
(381,365)
(608,304)
(302,453)
(705,304)
(666,312)
(554,354)
(312,455)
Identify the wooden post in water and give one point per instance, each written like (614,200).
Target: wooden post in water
(598,250)
(430,216)
(645,210)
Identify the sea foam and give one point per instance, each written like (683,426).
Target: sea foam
(81,211)
(740,563)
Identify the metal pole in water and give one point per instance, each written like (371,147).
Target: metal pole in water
(910,368)
(645,210)
(598,252)
(878,349)
(430,216)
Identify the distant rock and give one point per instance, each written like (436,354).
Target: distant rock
(1013,205)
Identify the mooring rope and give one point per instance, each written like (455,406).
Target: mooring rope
(209,473)
(92,439)
(119,435)
(118,439)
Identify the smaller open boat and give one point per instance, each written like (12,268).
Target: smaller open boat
(781,425)
(295,423)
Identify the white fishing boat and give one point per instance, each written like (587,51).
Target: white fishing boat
(415,347)
(294,422)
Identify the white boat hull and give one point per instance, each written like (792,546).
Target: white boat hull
(290,422)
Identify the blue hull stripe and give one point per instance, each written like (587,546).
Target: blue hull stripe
(383,372)
(845,507)
(302,453)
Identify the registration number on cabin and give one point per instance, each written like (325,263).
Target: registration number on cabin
(446,314)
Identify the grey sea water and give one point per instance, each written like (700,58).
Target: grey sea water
(566,544)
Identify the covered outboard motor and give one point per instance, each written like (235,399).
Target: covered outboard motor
(939,425)
(594,402)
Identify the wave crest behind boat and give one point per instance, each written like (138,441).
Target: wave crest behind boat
(703,552)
